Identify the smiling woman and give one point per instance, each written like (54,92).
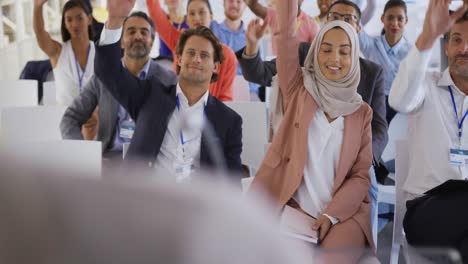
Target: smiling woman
(72,60)
(319,159)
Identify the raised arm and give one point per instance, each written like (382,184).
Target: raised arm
(127,89)
(368,13)
(408,91)
(167,32)
(257,8)
(287,62)
(50,46)
(254,69)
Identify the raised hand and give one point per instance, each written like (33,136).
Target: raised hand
(39,2)
(118,10)
(437,22)
(255,31)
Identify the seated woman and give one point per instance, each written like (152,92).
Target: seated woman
(73,60)
(199,13)
(389,48)
(321,151)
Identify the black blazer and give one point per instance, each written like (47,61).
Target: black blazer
(370,88)
(151,102)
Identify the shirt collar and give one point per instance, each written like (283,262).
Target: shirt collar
(143,74)
(225,27)
(446,80)
(183,100)
(396,48)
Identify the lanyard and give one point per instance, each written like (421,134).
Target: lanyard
(178,23)
(460,123)
(81,76)
(182,141)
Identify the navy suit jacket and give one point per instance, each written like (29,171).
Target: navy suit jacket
(151,102)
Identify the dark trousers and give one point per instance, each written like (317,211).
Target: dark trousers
(390,112)
(438,221)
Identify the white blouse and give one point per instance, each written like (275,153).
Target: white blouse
(69,75)
(324,147)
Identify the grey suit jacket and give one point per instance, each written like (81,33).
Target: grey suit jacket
(371,89)
(95,94)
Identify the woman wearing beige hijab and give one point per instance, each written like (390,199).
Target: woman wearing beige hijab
(321,151)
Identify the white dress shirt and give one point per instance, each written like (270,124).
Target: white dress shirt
(324,147)
(432,123)
(172,150)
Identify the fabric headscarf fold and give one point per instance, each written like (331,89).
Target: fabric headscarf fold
(336,98)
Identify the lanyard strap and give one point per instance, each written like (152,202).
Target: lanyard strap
(178,109)
(81,76)
(459,123)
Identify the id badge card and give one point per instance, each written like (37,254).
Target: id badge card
(182,171)
(458,156)
(127,129)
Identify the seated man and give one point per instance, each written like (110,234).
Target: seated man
(371,85)
(436,107)
(115,125)
(172,120)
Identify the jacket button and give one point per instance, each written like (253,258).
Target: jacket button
(296,125)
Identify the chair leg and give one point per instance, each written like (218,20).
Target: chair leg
(394,254)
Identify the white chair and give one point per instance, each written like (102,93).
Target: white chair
(77,156)
(254,131)
(34,123)
(401,174)
(49,93)
(397,130)
(240,89)
(18,93)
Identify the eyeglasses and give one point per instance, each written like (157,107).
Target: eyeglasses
(348,18)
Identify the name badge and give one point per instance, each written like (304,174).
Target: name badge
(127,129)
(458,156)
(182,172)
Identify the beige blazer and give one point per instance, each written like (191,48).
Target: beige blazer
(281,171)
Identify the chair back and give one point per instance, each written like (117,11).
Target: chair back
(33,123)
(49,97)
(240,89)
(18,93)
(254,131)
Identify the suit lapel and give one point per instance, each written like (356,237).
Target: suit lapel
(211,118)
(350,145)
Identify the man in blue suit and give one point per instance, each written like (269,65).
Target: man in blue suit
(172,120)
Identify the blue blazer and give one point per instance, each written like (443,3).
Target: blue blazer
(151,102)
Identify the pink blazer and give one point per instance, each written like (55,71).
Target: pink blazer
(281,171)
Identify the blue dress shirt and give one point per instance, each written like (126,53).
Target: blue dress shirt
(235,40)
(379,51)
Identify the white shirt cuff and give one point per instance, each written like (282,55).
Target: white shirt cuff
(333,220)
(110,36)
(245,56)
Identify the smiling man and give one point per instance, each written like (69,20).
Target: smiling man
(115,125)
(231,32)
(161,139)
(436,104)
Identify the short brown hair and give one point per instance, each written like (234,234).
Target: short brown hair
(206,33)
